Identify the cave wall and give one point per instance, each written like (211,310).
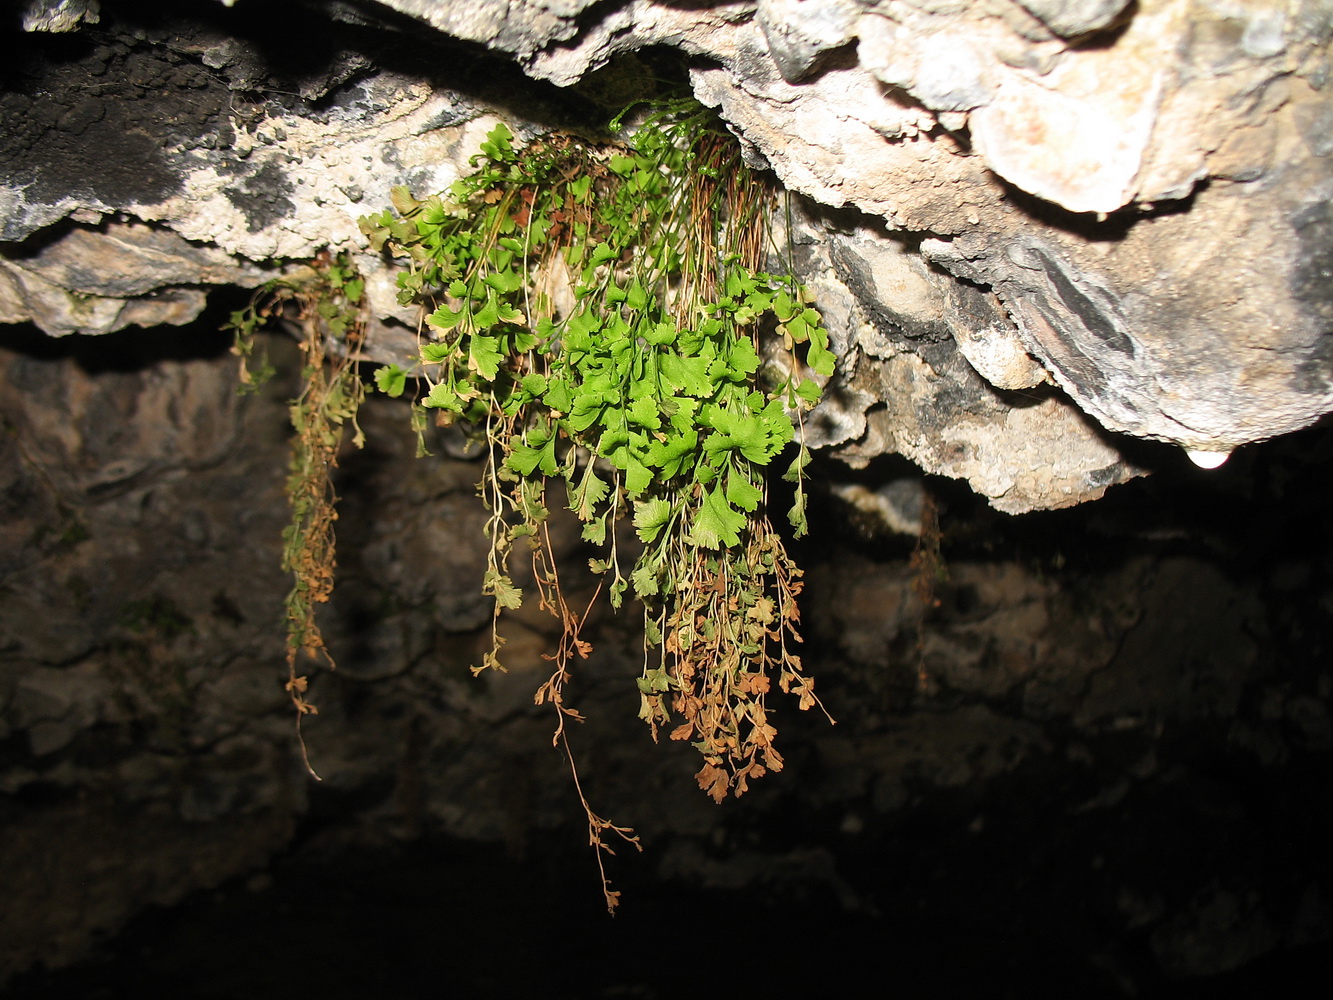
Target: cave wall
(1110,733)
(1151,682)
(1022,263)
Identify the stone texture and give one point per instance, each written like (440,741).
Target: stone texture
(1157,248)
(59,15)
(916,357)
(127,857)
(1069,18)
(99,279)
(1138,682)
(1057,690)
(798,33)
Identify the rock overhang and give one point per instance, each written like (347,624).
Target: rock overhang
(1110,211)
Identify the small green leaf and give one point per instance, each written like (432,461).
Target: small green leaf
(717,524)
(654,681)
(650,516)
(507,313)
(638,477)
(595,531)
(644,412)
(504,282)
(375,231)
(660,334)
(645,580)
(419,424)
(580,187)
(501,587)
(557,395)
(445,318)
(671,455)
(436,353)
(391,380)
(744,432)
(498,147)
(410,284)
(688,375)
(797,517)
(586,410)
(403,202)
(591,491)
(443,397)
(795,470)
(742,361)
(527,458)
(819,357)
(636,296)
(484,356)
(616,592)
(743,493)
(652,635)
(808,392)
(489,314)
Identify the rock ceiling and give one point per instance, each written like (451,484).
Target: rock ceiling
(1037,228)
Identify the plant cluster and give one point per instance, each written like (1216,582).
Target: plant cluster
(602,315)
(597,312)
(325,301)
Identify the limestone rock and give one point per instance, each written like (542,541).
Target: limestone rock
(1219,106)
(1070,18)
(59,15)
(800,32)
(1137,192)
(96,280)
(914,352)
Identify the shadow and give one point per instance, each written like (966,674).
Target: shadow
(131,349)
(1086,225)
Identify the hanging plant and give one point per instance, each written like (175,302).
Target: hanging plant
(325,301)
(596,312)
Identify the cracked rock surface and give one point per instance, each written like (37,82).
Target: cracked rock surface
(1122,207)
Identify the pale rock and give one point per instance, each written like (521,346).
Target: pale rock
(96,280)
(1129,199)
(799,32)
(1070,18)
(59,15)
(944,69)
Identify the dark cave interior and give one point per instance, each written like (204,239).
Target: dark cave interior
(1017,878)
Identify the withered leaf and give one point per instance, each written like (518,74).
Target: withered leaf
(713,780)
(762,610)
(752,770)
(754,683)
(805,687)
